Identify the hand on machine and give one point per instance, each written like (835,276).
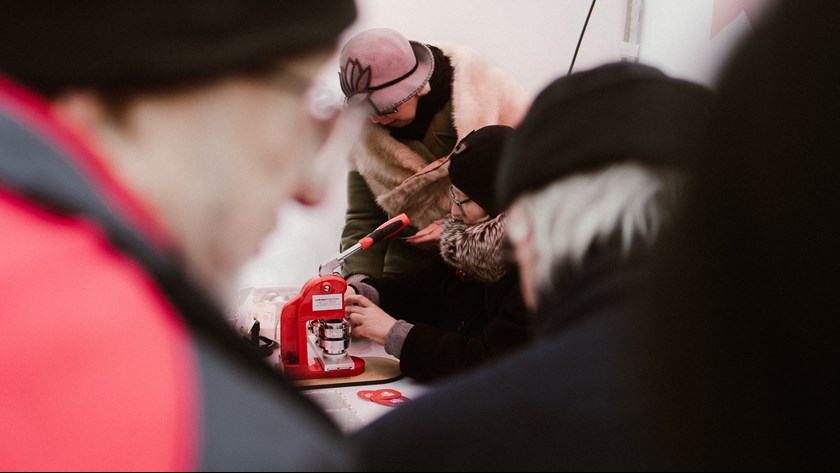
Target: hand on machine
(314,333)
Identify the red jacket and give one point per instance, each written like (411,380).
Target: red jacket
(110,358)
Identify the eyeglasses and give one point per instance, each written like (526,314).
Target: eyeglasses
(387,111)
(364,97)
(455,200)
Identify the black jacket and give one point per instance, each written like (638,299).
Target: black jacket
(458,322)
(577,399)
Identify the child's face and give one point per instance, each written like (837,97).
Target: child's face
(465,208)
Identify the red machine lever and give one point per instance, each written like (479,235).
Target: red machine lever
(384,231)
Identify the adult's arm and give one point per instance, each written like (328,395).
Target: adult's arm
(363,216)
(429,352)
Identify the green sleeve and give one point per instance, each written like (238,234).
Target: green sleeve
(362,217)
(388,258)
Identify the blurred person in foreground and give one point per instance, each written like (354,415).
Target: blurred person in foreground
(144,150)
(589,178)
(747,282)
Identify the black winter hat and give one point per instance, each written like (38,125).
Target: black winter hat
(474,164)
(52,44)
(614,113)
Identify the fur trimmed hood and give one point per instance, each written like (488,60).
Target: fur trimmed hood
(475,249)
(402,180)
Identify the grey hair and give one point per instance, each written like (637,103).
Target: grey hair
(567,217)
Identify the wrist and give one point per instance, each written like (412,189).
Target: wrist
(362,288)
(396,336)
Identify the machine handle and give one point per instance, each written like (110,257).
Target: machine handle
(385,231)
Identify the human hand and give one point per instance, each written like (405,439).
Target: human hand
(427,238)
(367,319)
(350,291)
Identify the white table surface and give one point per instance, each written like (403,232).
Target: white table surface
(350,411)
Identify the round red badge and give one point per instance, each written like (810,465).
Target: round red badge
(393,402)
(388,397)
(365,394)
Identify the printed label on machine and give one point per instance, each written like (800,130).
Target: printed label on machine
(327,302)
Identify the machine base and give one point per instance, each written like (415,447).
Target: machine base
(316,370)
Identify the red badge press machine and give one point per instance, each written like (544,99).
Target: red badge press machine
(314,331)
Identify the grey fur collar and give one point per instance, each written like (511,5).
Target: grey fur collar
(476,249)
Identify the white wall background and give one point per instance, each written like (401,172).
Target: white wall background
(534,40)
(688,39)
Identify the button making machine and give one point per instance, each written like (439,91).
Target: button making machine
(314,331)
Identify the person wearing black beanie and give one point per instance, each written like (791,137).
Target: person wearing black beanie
(467,309)
(587,179)
(474,164)
(594,167)
(145,147)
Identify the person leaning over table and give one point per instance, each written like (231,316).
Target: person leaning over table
(421,99)
(466,310)
(144,150)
